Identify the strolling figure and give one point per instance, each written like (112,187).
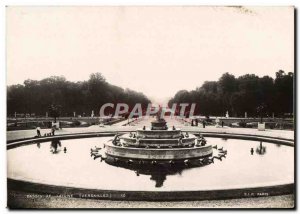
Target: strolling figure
(38,131)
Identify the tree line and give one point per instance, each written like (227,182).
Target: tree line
(39,97)
(248,93)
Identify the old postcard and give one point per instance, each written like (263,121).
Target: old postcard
(150,107)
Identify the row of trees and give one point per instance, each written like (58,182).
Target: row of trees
(42,96)
(247,93)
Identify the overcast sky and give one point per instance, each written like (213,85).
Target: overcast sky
(155,50)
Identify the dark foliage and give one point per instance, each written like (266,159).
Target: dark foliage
(39,97)
(246,93)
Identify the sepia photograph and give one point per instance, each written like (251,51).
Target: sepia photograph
(150,107)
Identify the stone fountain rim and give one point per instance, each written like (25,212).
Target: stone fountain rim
(30,187)
(268,139)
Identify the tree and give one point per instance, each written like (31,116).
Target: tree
(241,94)
(284,88)
(227,86)
(54,111)
(227,83)
(261,111)
(36,96)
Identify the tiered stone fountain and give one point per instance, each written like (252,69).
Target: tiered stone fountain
(157,144)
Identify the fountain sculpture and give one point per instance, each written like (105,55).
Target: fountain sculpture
(158,145)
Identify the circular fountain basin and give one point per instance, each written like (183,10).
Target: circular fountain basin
(240,171)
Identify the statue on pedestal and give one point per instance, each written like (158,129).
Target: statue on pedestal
(227,114)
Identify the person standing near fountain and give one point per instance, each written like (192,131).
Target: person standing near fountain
(53,130)
(38,131)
